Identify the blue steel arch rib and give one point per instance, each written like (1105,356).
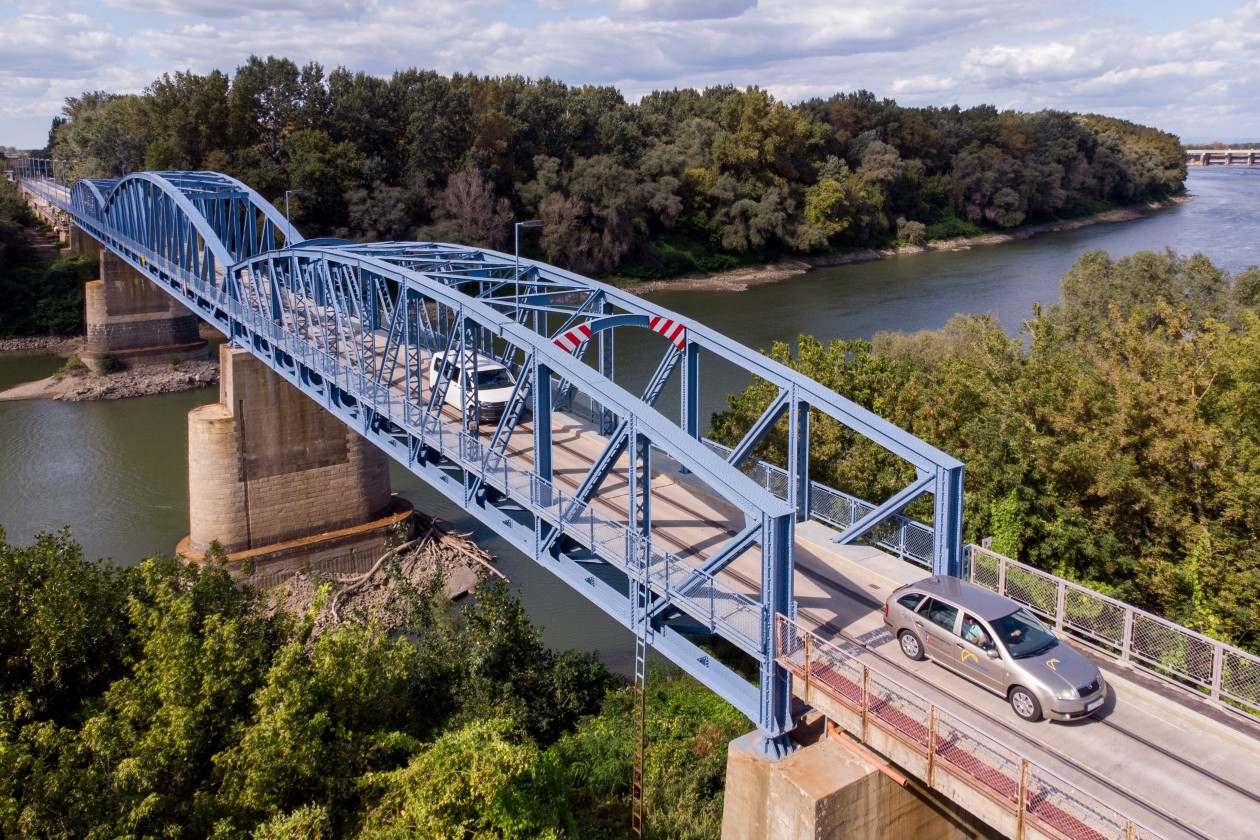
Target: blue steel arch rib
(353,326)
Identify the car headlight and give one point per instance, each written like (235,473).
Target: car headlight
(1066,694)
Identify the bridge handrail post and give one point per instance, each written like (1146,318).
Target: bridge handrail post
(931,746)
(866,702)
(1021,807)
(808,666)
(1060,608)
(1218,669)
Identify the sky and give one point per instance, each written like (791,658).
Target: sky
(1188,67)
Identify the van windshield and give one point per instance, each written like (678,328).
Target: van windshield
(494,378)
(1023,635)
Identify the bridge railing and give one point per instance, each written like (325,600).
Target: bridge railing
(1012,792)
(899,535)
(1226,675)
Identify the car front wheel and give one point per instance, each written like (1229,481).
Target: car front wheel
(910,644)
(1025,704)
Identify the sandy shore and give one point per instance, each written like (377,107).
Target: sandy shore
(81,384)
(742,278)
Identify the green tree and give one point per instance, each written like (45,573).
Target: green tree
(482,780)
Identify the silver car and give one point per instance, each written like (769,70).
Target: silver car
(997,644)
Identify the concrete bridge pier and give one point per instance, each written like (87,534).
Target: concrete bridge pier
(277,479)
(825,790)
(80,242)
(134,321)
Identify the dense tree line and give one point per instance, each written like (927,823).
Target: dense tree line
(1115,442)
(165,700)
(683,179)
(36,298)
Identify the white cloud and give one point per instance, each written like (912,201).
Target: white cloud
(53,45)
(235,9)
(685,9)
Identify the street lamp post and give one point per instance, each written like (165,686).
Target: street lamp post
(516,277)
(288,236)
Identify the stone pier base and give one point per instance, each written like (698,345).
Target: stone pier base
(823,791)
(350,550)
(135,322)
(267,465)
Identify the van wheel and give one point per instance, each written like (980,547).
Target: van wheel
(910,644)
(1025,704)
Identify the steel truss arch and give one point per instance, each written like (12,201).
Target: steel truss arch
(354,327)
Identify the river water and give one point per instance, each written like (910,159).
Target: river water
(116,471)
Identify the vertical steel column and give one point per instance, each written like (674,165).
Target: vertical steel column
(606,363)
(691,391)
(776,598)
(798,457)
(542,420)
(947,556)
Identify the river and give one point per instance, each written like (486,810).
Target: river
(116,471)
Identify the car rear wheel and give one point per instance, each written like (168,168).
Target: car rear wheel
(910,644)
(1025,704)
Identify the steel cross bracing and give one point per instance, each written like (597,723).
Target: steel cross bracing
(355,326)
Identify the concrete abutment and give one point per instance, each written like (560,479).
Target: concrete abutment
(823,791)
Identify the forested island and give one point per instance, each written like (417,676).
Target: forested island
(683,180)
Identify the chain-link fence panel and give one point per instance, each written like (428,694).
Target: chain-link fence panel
(977,760)
(898,712)
(1100,619)
(1034,589)
(1068,812)
(1240,679)
(1172,649)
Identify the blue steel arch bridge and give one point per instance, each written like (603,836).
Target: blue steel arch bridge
(596,500)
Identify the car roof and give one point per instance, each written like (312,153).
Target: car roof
(970,597)
(483,361)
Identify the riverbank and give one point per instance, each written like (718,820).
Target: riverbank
(741,279)
(77,383)
(140,381)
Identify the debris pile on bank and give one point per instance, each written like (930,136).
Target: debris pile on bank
(381,595)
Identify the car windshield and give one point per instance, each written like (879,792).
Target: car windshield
(1023,635)
(493,378)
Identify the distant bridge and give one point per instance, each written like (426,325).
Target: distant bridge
(1223,157)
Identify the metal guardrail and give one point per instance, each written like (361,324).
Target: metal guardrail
(1017,795)
(1226,675)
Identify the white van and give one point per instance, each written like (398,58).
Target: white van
(494,385)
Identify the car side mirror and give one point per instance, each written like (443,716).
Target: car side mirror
(993,653)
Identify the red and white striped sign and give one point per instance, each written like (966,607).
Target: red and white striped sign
(675,331)
(570,340)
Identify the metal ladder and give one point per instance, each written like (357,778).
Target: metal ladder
(638,726)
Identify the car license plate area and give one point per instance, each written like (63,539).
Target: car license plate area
(1089,707)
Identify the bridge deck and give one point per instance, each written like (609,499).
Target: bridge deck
(1163,758)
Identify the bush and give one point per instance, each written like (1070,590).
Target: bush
(74,366)
(949,226)
(108,363)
